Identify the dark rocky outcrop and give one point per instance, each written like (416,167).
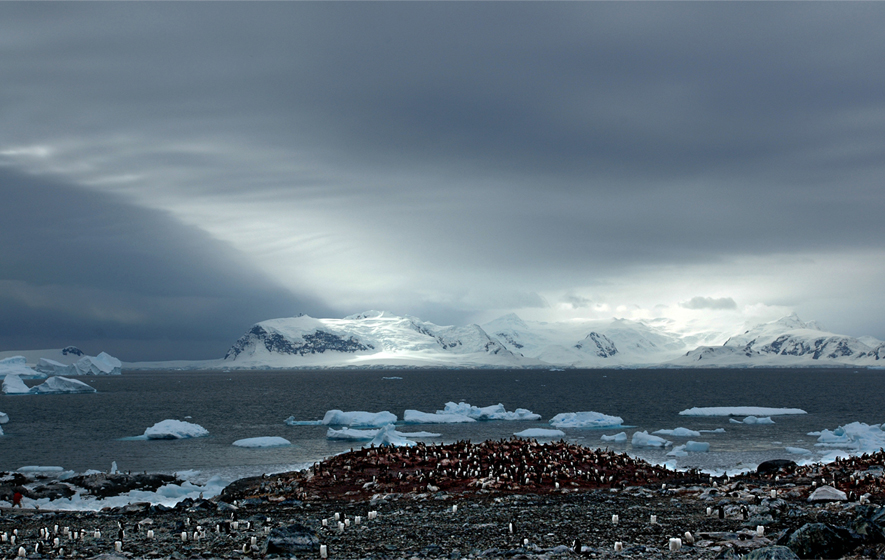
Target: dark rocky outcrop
(292,540)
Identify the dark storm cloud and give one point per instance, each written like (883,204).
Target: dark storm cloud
(87,268)
(554,143)
(699,302)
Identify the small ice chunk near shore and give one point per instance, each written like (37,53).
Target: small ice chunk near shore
(797,450)
(267,441)
(175,429)
(617,438)
(588,419)
(418,417)
(740,411)
(644,439)
(539,433)
(389,437)
(358,418)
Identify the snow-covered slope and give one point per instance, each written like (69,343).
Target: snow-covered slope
(788,342)
(374,338)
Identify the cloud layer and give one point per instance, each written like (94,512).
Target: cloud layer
(449,160)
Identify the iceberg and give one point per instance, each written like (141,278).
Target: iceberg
(291,421)
(587,419)
(644,439)
(4,418)
(617,438)
(389,437)
(103,364)
(539,433)
(678,432)
(493,412)
(418,417)
(697,446)
(740,411)
(18,365)
(13,385)
(678,451)
(349,434)
(358,418)
(175,429)
(797,450)
(752,420)
(856,436)
(716,431)
(267,441)
(58,385)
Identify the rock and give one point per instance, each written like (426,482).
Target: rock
(292,540)
(774,465)
(827,494)
(818,540)
(771,553)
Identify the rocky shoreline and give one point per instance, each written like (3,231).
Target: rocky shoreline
(459,511)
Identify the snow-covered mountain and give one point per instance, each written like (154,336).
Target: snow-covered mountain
(788,342)
(382,339)
(374,338)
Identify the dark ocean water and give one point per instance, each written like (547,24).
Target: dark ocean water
(87,431)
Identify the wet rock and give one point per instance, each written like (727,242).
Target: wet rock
(774,465)
(51,491)
(104,485)
(771,553)
(819,540)
(292,540)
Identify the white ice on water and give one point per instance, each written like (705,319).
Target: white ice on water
(539,433)
(266,441)
(617,438)
(18,365)
(857,437)
(175,429)
(588,419)
(677,432)
(644,439)
(358,418)
(13,385)
(4,418)
(740,411)
(493,412)
(418,417)
(350,434)
(59,385)
(752,420)
(797,450)
(389,437)
(103,364)
(716,431)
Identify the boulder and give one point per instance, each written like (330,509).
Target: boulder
(774,465)
(294,540)
(827,494)
(771,553)
(819,540)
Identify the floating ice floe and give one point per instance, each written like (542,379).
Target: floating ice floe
(716,431)
(617,438)
(418,417)
(13,385)
(752,420)
(588,419)
(267,441)
(58,384)
(697,446)
(350,434)
(797,450)
(493,412)
(644,439)
(293,422)
(4,418)
(103,364)
(389,437)
(678,432)
(856,436)
(740,411)
(391,377)
(358,418)
(175,429)
(18,365)
(539,433)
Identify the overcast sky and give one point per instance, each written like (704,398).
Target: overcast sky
(171,173)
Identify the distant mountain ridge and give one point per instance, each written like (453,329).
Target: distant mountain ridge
(382,339)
